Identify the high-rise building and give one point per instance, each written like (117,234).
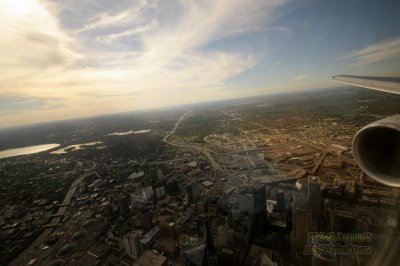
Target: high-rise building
(259,197)
(193,191)
(235,212)
(193,249)
(225,236)
(241,237)
(167,229)
(159,174)
(203,229)
(314,194)
(201,205)
(159,190)
(302,224)
(124,205)
(246,202)
(280,201)
(172,187)
(132,245)
(150,259)
(146,219)
(212,207)
(148,193)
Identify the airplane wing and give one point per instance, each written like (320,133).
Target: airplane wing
(391,85)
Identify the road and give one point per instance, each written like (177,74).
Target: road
(172,132)
(216,167)
(23,257)
(323,150)
(247,150)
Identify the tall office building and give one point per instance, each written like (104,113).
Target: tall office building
(172,187)
(314,194)
(132,245)
(193,191)
(148,193)
(280,201)
(159,190)
(192,249)
(302,225)
(146,219)
(259,198)
(204,230)
(159,174)
(225,236)
(124,205)
(246,202)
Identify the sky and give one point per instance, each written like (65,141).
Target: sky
(63,59)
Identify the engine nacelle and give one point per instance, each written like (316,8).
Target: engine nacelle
(376,150)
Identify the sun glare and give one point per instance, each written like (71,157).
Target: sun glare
(19,8)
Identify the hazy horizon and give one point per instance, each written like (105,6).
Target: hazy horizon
(253,98)
(65,60)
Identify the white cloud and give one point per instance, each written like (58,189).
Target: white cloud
(107,20)
(301,77)
(375,52)
(159,51)
(115,37)
(31,40)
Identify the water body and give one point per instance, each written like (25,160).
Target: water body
(27,150)
(75,147)
(129,132)
(238,104)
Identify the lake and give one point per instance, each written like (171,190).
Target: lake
(75,147)
(129,132)
(27,150)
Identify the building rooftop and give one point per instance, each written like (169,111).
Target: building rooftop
(151,259)
(66,250)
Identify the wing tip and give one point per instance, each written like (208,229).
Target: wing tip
(339,77)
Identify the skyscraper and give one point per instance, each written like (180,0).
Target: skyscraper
(259,197)
(172,187)
(124,205)
(132,245)
(302,224)
(314,194)
(193,191)
(280,200)
(159,190)
(146,219)
(246,202)
(148,193)
(203,229)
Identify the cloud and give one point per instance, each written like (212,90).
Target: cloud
(107,19)
(282,30)
(301,77)
(115,37)
(31,42)
(150,52)
(375,52)
(16,104)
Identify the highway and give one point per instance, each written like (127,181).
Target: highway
(172,132)
(216,167)
(247,150)
(24,256)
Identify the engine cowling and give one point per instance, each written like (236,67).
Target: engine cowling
(376,150)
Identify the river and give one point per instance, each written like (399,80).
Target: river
(27,150)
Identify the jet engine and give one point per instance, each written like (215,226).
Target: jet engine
(376,150)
